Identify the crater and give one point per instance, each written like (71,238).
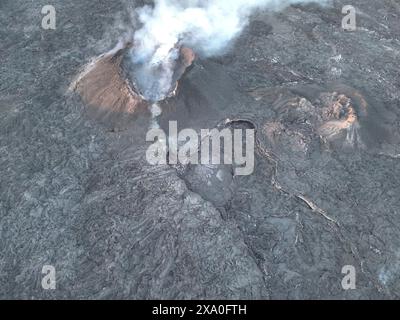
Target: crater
(112,86)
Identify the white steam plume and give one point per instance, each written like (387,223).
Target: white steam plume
(206,26)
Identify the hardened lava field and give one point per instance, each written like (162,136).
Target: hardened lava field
(77,193)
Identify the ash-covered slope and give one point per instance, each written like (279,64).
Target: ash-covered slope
(77,193)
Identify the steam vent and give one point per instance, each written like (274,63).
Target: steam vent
(313,109)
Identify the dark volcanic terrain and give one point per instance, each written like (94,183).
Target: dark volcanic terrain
(76,191)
